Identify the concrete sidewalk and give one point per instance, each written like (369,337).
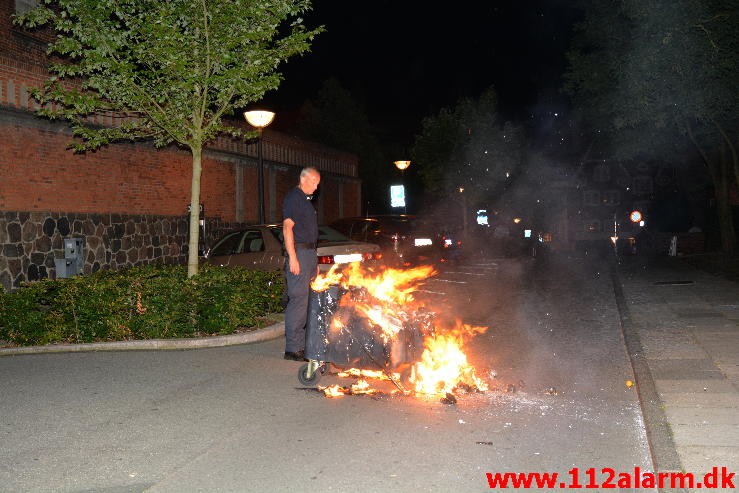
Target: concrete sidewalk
(686,324)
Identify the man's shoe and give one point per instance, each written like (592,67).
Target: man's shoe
(295,356)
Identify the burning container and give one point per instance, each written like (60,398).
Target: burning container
(348,328)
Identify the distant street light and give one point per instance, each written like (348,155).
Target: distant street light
(260,119)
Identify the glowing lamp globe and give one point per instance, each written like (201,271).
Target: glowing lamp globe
(259,118)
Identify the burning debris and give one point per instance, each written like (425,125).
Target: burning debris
(360,387)
(449,399)
(369,322)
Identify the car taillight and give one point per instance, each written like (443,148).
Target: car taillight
(325,259)
(373,256)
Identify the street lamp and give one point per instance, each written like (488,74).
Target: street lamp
(402,165)
(260,119)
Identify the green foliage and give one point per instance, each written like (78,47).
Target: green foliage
(647,74)
(661,80)
(468,146)
(144,302)
(169,70)
(338,120)
(166,70)
(222,295)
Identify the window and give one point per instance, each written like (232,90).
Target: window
(23,6)
(326,233)
(253,241)
(643,184)
(228,245)
(591,197)
(601,173)
(642,206)
(591,226)
(611,197)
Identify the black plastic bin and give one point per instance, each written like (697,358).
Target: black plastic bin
(355,342)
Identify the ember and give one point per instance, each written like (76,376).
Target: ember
(359,387)
(377,375)
(362,319)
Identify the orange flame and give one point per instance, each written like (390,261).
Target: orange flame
(374,374)
(359,387)
(443,366)
(388,285)
(333,391)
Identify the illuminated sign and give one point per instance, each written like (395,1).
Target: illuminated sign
(482,217)
(397,196)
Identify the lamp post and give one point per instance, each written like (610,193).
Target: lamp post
(463,198)
(260,119)
(402,165)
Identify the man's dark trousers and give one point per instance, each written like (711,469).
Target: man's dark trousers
(298,289)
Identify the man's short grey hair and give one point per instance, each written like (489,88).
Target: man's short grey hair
(309,171)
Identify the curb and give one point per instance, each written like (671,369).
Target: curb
(659,435)
(264,334)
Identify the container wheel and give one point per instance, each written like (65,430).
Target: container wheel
(303,375)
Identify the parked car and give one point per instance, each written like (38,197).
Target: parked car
(261,247)
(404,239)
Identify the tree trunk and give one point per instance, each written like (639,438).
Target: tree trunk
(192,246)
(732,149)
(718,169)
(723,205)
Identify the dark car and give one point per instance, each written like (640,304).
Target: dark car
(261,248)
(404,239)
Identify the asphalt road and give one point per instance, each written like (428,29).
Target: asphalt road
(236,418)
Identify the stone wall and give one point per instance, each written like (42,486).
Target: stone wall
(30,241)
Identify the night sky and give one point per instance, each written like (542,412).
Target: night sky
(404,60)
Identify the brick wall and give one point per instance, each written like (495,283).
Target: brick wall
(129,200)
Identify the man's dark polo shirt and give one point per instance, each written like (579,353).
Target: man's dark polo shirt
(298,207)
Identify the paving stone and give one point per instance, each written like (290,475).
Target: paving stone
(700,459)
(707,388)
(721,349)
(705,435)
(708,415)
(684,369)
(658,347)
(710,324)
(701,400)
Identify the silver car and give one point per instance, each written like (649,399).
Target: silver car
(261,247)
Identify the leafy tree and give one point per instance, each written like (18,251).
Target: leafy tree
(335,118)
(658,79)
(467,146)
(171,68)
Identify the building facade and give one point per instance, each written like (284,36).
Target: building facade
(605,194)
(128,202)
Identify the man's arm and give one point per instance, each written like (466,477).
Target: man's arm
(289,238)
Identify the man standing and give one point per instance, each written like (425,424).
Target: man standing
(300,232)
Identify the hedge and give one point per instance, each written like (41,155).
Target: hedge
(144,302)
